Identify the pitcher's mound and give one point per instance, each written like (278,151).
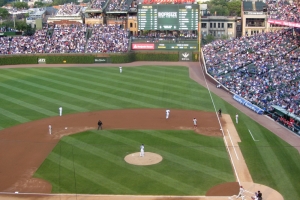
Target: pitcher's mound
(148,159)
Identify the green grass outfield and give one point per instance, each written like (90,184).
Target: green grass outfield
(29,94)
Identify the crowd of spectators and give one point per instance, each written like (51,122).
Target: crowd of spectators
(107,39)
(68,39)
(284,10)
(263,68)
(118,5)
(29,44)
(4,45)
(97,4)
(68,9)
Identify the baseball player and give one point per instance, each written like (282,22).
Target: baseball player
(241,193)
(120,70)
(60,111)
(142,147)
(167,114)
(195,122)
(99,125)
(220,112)
(50,129)
(236,118)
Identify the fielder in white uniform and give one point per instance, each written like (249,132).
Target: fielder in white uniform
(195,122)
(142,147)
(120,69)
(236,118)
(50,129)
(60,111)
(167,114)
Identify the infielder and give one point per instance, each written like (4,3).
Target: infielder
(167,114)
(50,129)
(60,111)
(142,153)
(236,118)
(120,69)
(195,122)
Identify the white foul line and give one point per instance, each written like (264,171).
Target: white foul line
(232,145)
(252,136)
(212,100)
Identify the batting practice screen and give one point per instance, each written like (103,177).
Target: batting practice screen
(168,17)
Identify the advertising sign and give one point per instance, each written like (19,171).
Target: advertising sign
(100,60)
(142,46)
(42,60)
(284,23)
(248,104)
(185,56)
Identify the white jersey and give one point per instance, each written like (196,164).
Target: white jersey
(142,151)
(167,114)
(60,111)
(195,121)
(120,69)
(50,129)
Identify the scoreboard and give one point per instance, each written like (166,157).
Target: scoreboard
(168,17)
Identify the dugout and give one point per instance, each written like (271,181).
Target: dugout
(286,118)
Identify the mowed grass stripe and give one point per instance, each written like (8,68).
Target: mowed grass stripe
(43,98)
(191,90)
(88,100)
(13,116)
(128,91)
(143,171)
(99,85)
(140,77)
(174,158)
(96,178)
(197,148)
(133,85)
(61,92)
(137,73)
(183,72)
(28,105)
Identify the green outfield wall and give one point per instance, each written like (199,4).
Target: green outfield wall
(168,56)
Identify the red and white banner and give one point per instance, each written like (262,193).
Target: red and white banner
(142,46)
(284,23)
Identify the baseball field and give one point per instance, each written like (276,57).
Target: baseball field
(76,158)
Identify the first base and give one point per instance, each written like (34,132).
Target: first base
(66,127)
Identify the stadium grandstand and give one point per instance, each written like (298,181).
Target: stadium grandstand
(263,69)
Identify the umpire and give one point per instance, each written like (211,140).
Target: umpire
(99,125)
